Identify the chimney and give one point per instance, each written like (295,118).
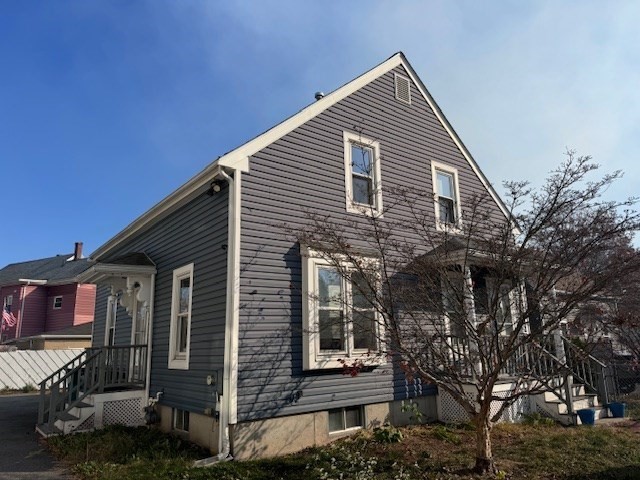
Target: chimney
(77,251)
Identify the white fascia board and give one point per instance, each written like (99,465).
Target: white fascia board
(169,204)
(238,159)
(31,281)
(287,126)
(46,336)
(98,272)
(454,136)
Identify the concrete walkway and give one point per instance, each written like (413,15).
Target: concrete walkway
(21,456)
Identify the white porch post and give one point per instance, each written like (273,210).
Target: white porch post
(472,321)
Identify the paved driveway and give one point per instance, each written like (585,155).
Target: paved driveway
(21,456)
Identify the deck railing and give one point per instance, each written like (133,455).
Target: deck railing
(596,376)
(95,370)
(553,361)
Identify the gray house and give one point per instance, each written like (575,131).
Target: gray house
(203,301)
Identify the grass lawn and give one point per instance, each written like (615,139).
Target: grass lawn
(423,452)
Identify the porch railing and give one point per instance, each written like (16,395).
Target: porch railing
(538,360)
(95,370)
(597,377)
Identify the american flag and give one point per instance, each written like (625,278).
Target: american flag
(8,320)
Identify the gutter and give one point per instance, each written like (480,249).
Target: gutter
(229,398)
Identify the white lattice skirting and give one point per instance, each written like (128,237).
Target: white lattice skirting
(450,411)
(119,408)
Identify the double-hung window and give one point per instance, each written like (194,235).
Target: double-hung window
(446,194)
(8,302)
(362,174)
(341,323)
(504,296)
(180,329)
(57,302)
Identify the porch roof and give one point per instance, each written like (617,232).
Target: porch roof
(129,265)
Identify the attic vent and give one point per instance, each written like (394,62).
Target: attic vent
(403,89)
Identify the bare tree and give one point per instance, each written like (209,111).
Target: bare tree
(476,301)
(617,317)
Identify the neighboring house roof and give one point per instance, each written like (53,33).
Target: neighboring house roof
(54,270)
(238,158)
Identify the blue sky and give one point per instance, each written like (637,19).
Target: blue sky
(109,106)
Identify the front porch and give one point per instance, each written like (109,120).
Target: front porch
(70,397)
(107,384)
(564,377)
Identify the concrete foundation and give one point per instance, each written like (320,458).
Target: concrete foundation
(203,429)
(282,435)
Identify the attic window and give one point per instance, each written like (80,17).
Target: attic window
(403,89)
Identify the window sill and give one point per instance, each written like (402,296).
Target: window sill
(345,432)
(178,364)
(455,228)
(340,361)
(364,209)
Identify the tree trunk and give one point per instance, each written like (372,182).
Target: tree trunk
(484,455)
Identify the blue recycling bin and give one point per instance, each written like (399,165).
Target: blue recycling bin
(618,409)
(587,416)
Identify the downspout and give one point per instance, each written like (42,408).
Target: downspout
(150,333)
(229,398)
(23,299)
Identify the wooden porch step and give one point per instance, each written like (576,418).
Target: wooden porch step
(47,430)
(83,405)
(65,416)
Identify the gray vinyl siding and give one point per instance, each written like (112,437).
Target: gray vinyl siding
(100,316)
(196,233)
(305,170)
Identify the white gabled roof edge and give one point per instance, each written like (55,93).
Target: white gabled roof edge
(452,133)
(238,159)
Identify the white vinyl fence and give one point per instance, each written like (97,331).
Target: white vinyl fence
(21,368)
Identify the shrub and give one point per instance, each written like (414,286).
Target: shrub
(387,434)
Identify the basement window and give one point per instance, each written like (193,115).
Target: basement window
(180,420)
(347,418)
(57,302)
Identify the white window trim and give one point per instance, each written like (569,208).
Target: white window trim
(313,358)
(180,361)
(337,433)
(8,301)
(452,279)
(175,421)
(514,295)
(110,324)
(440,225)
(354,207)
(54,302)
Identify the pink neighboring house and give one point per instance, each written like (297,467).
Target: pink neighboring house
(43,296)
